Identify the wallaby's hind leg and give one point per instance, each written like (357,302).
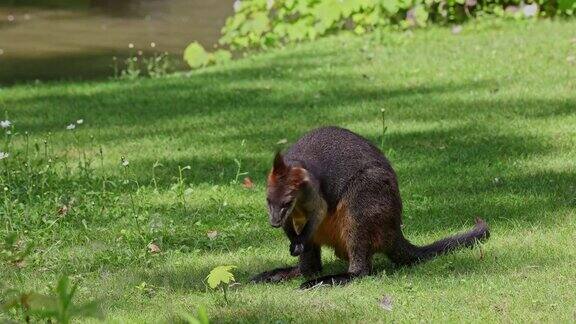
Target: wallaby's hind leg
(369,212)
(310,264)
(360,261)
(360,265)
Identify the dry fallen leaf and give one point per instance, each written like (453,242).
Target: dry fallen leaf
(153,248)
(212,234)
(63,210)
(500,308)
(20,264)
(247,183)
(386,303)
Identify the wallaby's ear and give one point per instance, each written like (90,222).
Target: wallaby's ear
(298,176)
(279,165)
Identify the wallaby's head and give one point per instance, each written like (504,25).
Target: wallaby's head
(284,184)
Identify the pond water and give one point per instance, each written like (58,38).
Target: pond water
(77,39)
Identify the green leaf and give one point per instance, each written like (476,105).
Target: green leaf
(404,4)
(350,6)
(9,240)
(420,15)
(258,24)
(203,316)
(42,306)
(219,275)
(62,290)
(201,319)
(359,30)
(328,12)
(189,319)
(195,55)
(221,56)
(89,309)
(391,6)
(566,4)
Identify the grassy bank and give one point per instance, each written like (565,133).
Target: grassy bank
(482,123)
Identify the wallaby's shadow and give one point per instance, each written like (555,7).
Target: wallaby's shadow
(191,276)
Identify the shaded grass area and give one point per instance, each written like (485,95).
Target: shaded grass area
(479,124)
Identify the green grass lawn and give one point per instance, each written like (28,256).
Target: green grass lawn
(482,123)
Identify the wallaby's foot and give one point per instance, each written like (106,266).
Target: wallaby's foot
(277,275)
(296,248)
(331,280)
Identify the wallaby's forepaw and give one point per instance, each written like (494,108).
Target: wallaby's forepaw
(276,275)
(296,249)
(331,280)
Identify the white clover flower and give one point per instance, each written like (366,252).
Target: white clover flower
(3,155)
(80,121)
(130,45)
(5,123)
(237,5)
(530,10)
(125,162)
(70,127)
(153,44)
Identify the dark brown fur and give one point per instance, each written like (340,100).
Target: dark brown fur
(334,188)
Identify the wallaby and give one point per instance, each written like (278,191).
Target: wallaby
(335,188)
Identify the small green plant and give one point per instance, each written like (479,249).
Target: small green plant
(200,318)
(196,56)
(156,164)
(384,128)
(262,24)
(157,65)
(181,189)
(141,64)
(57,307)
(131,69)
(125,163)
(101,155)
(221,277)
(14,252)
(146,289)
(239,172)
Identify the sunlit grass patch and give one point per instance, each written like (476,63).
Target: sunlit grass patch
(143,198)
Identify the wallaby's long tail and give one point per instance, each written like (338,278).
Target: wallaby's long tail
(405,253)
